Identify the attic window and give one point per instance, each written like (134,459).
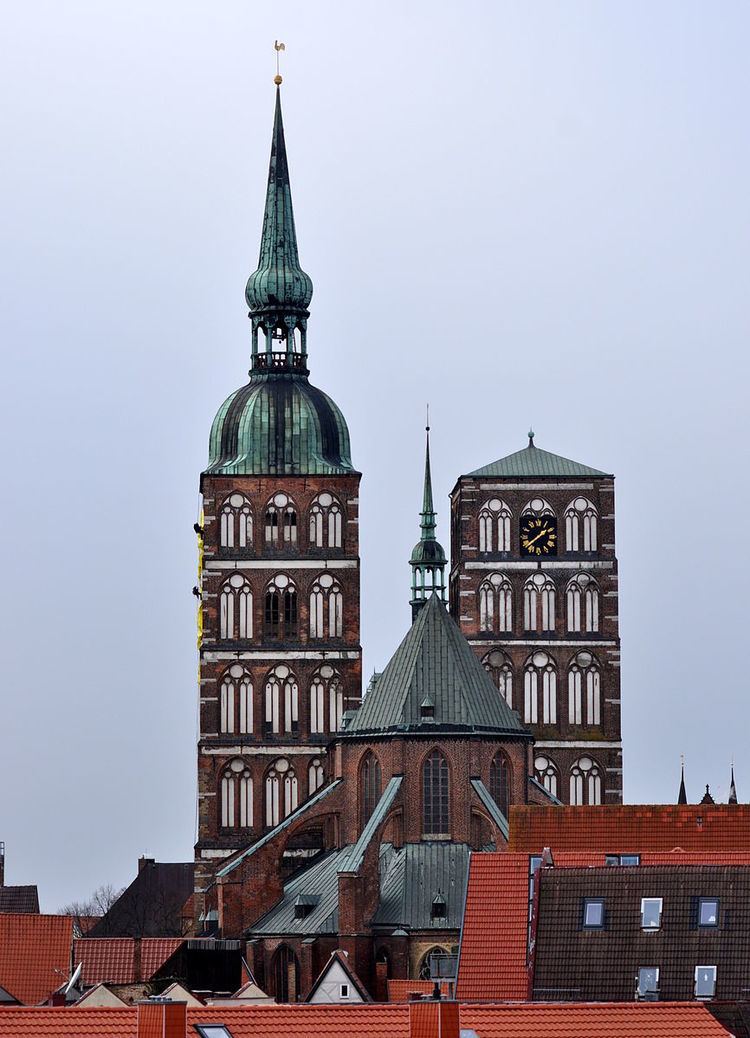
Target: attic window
(439,907)
(648,981)
(651,913)
(343,990)
(427,710)
(212,1031)
(705,981)
(708,911)
(593,913)
(622,859)
(304,904)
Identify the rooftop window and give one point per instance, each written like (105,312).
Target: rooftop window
(708,911)
(651,913)
(705,981)
(439,907)
(593,913)
(212,1031)
(343,990)
(648,981)
(622,859)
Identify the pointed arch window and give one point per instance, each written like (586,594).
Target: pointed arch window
(546,773)
(370,786)
(281,701)
(494,526)
(236,701)
(315,775)
(326,696)
(326,608)
(539,603)
(435,795)
(236,523)
(326,522)
(500,670)
(285,974)
(500,782)
(496,605)
(236,796)
(584,690)
(236,609)
(582,599)
(280,614)
(281,522)
(585,782)
(581,522)
(540,681)
(281,791)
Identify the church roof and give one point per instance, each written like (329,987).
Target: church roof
(533,461)
(434,664)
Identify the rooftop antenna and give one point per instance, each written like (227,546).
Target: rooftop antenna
(278,46)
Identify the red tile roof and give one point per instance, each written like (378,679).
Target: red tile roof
(399,990)
(59,1022)
(113,960)
(154,953)
(631,828)
(593,1020)
(34,955)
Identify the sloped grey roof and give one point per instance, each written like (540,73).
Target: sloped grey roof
(319,880)
(533,461)
(434,663)
(414,875)
(352,861)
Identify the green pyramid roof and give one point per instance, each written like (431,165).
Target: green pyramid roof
(435,664)
(532,461)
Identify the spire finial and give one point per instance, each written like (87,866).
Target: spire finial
(428,558)
(531,437)
(278,46)
(682,795)
(732,786)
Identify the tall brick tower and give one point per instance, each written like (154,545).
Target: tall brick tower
(280,655)
(533,586)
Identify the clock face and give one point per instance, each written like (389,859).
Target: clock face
(538,535)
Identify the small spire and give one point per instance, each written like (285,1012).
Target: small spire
(682,795)
(707,798)
(428,560)
(732,789)
(531,437)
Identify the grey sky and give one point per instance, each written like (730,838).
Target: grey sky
(523,213)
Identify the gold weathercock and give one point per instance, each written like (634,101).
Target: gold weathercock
(278,46)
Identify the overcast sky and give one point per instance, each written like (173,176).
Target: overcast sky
(525,213)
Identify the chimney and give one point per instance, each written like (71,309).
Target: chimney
(431,1019)
(160,1018)
(143,861)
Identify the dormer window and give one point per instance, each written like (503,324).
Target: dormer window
(427,710)
(304,904)
(439,907)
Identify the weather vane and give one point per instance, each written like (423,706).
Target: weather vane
(278,46)
(427,427)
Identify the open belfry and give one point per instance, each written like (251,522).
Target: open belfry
(329,822)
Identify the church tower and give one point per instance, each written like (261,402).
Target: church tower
(280,655)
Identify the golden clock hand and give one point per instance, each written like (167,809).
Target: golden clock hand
(538,536)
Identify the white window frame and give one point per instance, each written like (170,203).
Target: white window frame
(713,989)
(644,902)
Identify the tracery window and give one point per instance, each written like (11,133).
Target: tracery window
(539,603)
(585,782)
(582,597)
(370,786)
(539,507)
(500,782)
(236,608)
(540,676)
(281,701)
(435,795)
(326,608)
(315,775)
(546,773)
(236,795)
(280,614)
(584,690)
(496,604)
(581,519)
(236,701)
(494,526)
(500,669)
(281,522)
(236,522)
(326,522)
(281,791)
(326,693)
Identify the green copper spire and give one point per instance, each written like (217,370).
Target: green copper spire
(428,558)
(279,291)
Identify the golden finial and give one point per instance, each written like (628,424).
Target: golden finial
(278,46)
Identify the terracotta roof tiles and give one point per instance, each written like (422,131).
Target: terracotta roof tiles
(113,960)
(34,955)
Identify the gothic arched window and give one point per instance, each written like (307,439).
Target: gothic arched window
(285,974)
(326,608)
(315,776)
(584,687)
(500,782)
(540,676)
(546,773)
(585,782)
(326,522)
(370,782)
(281,791)
(236,701)
(281,522)
(236,795)
(435,795)
(500,669)
(280,613)
(281,701)
(494,526)
(496,604)
(236,609)
(582,597)
(581,520)
(326,697)
(539,603)
(236,522)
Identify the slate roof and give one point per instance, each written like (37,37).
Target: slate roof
(434,662)
(533,461)
(19,899)
(34,955)
(152,905)
(413,876)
